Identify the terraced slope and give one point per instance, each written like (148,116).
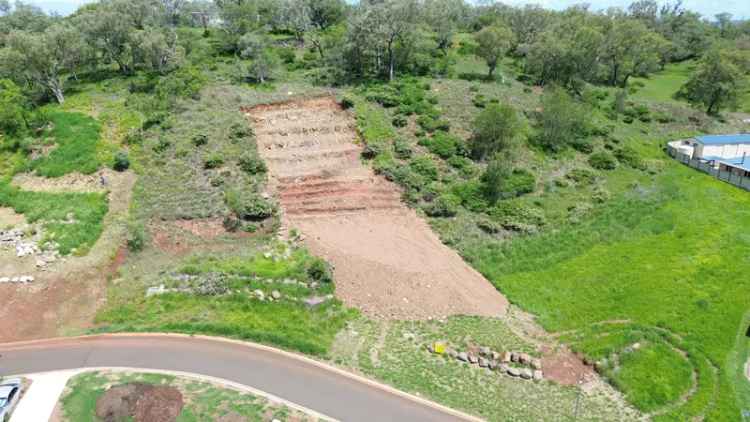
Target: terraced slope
(387,261)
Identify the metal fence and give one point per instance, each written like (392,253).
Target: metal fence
(704,166)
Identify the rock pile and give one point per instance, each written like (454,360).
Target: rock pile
(24,245)
(514,364)
(24,279)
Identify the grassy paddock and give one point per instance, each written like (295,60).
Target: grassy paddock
(672,258)
(76,138)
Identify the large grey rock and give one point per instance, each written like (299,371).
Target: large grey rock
(314,301)
(514,372)
(536,363)
(506,357)
(276,294)
(484,351)
(483,363)
(524,358)
(538,375)
(473,358)
(526,373)
(463,356)
(514,357)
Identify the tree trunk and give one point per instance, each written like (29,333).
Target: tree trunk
(625,81)
(615,74)
(391,60)
(492,66)
(57,90)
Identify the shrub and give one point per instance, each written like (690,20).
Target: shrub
(240,131)
(582,176)
(134,137)
(399,120)
(443,206)
(583,145)
(287,55)
(136,237)
(122,162)
(424,166)
(250,163)
(499,182)
(471,194)
(402,148)
(347,102)
(495,129)
(249,206)
(213,161)
(628,156)
(200,140)
(603,160)
(561,121)
(319,270)
(444,145)
(517,217)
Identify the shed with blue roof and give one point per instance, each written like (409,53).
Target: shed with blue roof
(722,146)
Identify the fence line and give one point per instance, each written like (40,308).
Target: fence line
(725,176)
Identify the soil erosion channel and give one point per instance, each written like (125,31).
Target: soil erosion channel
(387,261)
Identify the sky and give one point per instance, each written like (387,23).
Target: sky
(707,8)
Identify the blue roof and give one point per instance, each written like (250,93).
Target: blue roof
(740,138)
(734,162)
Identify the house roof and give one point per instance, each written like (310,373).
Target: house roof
(739,138)
(738,162)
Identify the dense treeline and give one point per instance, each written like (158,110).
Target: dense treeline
(41,54)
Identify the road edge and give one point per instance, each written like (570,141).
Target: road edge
(251,345)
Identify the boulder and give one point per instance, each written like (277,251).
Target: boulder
(484,351)
(492,365)
(452,353)
(527,374)
(514,372)
(506,357)
(513,357)
(495,355)
(276,294)
(473,358)
(538,375)
(536,363)
(483,363)
(463,356)
(524,358)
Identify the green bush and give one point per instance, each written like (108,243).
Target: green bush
(287,55)
(583,145)
(424,166)
(251,164)
(121,161)
(399,120)
(136,237)
(443,206)
(402,148)
(200,140)
(496,128)
(249,206)
(471,194)
(213,161)
(582,176)
(443,144)
(319,270)
(630,157)
(603,160)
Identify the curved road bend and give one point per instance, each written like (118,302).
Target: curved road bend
(300,382)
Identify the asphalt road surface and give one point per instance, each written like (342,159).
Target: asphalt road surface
(300,382)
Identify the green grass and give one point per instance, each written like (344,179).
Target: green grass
(287,323)
(52,211)
(662,86)
(653,376)
(76,137)
(673,257)
(202,401)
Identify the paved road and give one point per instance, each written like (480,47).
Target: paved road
(298,381)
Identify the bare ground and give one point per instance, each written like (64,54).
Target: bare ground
(387,262)
(64,297)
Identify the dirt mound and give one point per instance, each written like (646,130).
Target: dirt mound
(387,261)
(141,402)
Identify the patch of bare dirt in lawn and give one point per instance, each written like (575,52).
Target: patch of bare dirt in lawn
(66,294)
(140,402)
(387,261)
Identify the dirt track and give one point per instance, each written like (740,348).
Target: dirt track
(387,260)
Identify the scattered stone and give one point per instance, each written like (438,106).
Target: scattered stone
(513,357)
(527,374)
(452,353)
(492,365)
(484,351)
(17,279)
(495,355)
(503,368)
(463,356)
(536,363)
(538,375)
(483,362)
(259,293)
(514,372)
(276,294)
(409,336)
(473,358)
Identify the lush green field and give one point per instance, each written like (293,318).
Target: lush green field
(666,265)
(662,86)
(202,401)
